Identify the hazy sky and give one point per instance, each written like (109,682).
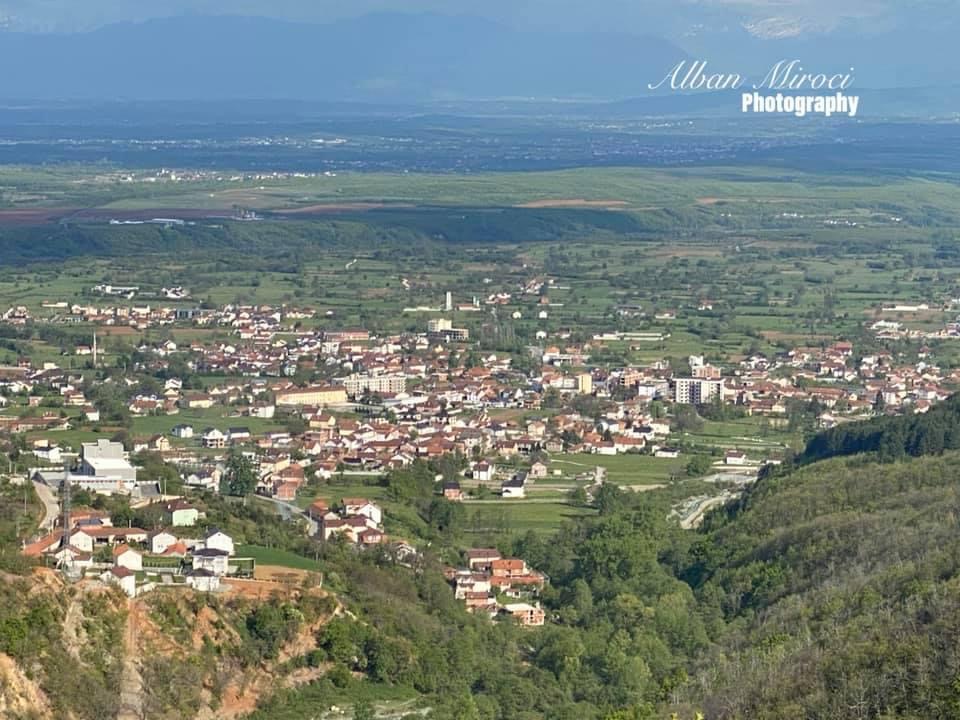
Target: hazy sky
(664,16)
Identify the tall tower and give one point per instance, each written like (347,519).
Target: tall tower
(449,304)
(65,501)
(94,350)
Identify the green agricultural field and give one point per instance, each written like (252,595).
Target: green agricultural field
(814,195)
(771,281)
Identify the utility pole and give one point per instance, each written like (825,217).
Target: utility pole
(65,499)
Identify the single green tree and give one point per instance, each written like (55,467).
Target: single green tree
(241,480)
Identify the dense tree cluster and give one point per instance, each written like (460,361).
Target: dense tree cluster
(892,438)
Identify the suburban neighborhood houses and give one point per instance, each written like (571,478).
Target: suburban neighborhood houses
(137,560)
(275,406)
(493,585)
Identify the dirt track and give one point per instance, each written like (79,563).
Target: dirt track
(573,203)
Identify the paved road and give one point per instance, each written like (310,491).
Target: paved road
(288,511)
(51,507)
(695,519)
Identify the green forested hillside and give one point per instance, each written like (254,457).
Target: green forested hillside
(411,230)
(894,437)
(839,588)
(830,591)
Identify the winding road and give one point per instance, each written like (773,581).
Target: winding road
(51,506)
(288,510)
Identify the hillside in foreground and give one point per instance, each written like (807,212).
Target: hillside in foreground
(829,591)
(839,588)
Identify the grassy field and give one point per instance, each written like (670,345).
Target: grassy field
(637,188)
(200,420)
(281,558)
(334,493)
(747,434)
(520,516)
(621,469)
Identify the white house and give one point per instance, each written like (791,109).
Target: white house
(73,557)
(204,480)
(184,432)
(659,428)
(735,457)
(202,580)
(360,506)
(81,540)
(122,577)
(238,434)
(50,453)
(515,487)
(126,557)
(263,411)
(180,513)
(483,471)
(605,448)
(214,439)
(160,540)
(538,470)
(218,540)
(212,560)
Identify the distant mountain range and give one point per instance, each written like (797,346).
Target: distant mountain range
(411,58)
(382,57)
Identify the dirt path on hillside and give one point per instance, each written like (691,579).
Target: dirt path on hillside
(131,682)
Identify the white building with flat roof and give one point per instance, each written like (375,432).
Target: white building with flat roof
(104,468)
(696,391)
(388,383)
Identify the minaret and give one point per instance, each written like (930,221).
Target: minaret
(94,350)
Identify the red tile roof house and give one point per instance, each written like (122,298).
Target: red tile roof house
(370,536)
(508,567)
(481,559)
(286,491)
(518,585)
(318,508)
(351,527)
(477,599)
